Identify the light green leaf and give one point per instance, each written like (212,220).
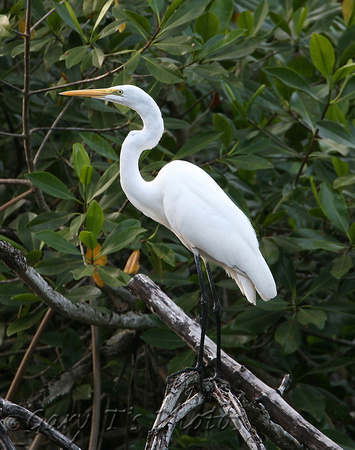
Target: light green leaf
(86,175)
(197,143)
(322,54)
(116,242)
(50,184)
(58,242)
(88,238)
(334,207)
(94,218)
(335,131)
(65,11)
(98,57)
(100,145)
(102,14)
(343,71)
(80,158)
(112,276)
(106,180)
(213,48)
(181,13)
(246,21)
(5,27)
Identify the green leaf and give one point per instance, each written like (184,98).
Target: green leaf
(102,14)
(178,45)
(86,175)
(260,15)
(162,338)
(58,242)
(255,320)
(206,25)
(221,123)
(344,71)
(5,27)
(246,21)
(106,180)
(98,57)
(341,167)
(112,276)
(306,398)
(88,238)
(80,158)
(50,184)
(165,72)
(291,78)
(289,336)
(250,162)
(334,207)
(23,323)
(141,22)
(99,145)
(213,47)
(48,221)
(197,143)
(65,11)
(116,242)
(335,131)
(181,13)
(341,266)
(317,317)
(94,218)
(322,54)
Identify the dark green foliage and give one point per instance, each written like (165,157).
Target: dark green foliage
(258,93)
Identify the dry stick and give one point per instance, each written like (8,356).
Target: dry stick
(82,312)
(237,375)
(96,404)
(32,422)
(15,200)
(28,355)
(26,107)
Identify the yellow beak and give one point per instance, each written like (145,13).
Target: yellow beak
(95,93)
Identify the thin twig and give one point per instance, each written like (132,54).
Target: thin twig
(14,181)
(15,200)
(96,404)
(28,355)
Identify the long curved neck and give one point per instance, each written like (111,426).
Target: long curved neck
(140,192)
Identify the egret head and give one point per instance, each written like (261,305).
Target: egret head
(127,95)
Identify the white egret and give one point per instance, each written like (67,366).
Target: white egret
(186,200)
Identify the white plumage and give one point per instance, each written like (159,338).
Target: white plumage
(185,199)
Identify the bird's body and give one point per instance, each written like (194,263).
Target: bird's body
(186,200)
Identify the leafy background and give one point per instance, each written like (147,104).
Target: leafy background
(258,93)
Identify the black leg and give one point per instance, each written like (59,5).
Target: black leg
(204,305)
(217,313)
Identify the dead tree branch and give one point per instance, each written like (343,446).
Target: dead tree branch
(81,312)
(239,377)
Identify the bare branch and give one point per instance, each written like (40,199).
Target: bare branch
(30,421)
(237,375)
(81,312)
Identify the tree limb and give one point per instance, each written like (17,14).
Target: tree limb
(237,375)
(81,312)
